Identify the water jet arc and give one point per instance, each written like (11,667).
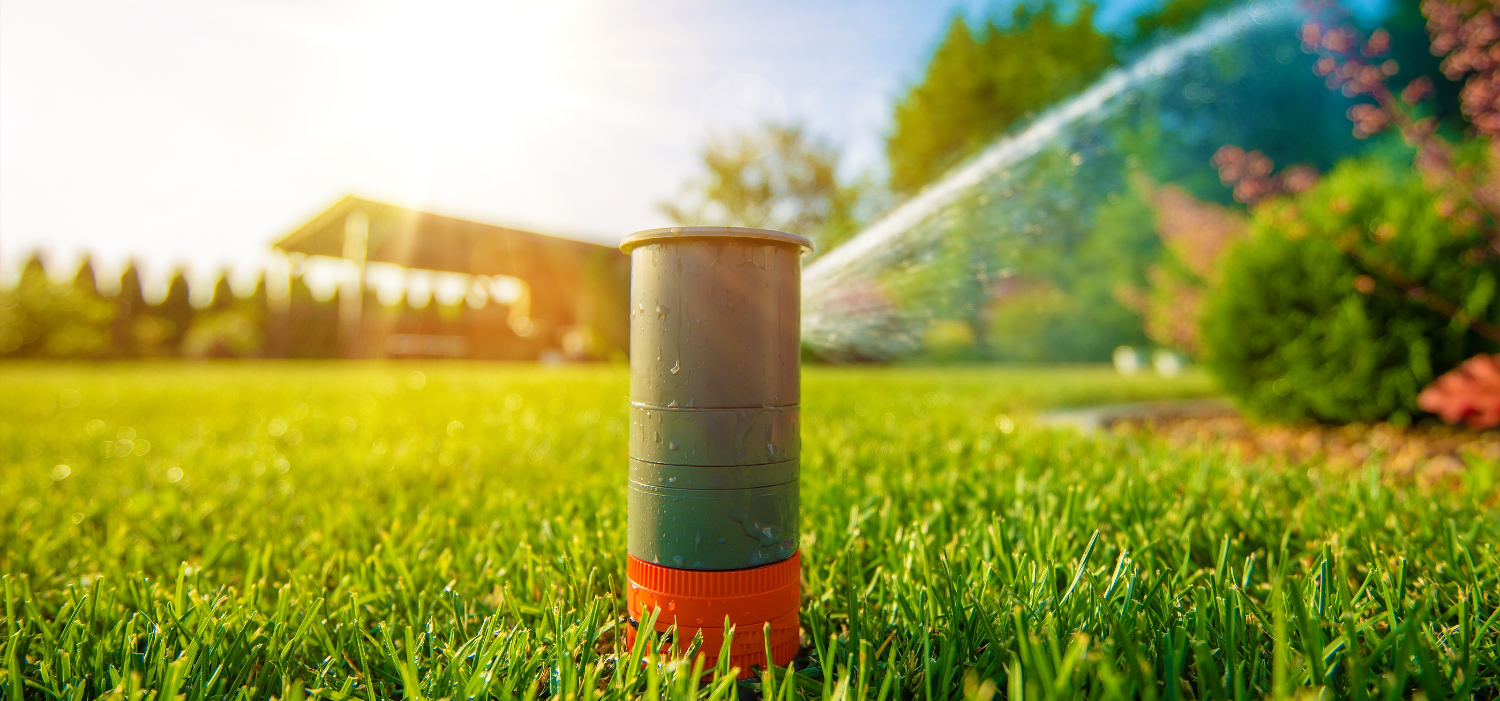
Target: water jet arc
(844,315)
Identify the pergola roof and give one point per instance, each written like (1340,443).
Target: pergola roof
(413,239)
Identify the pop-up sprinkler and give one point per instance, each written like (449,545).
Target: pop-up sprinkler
(715,380)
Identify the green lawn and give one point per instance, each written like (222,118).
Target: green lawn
(449,530)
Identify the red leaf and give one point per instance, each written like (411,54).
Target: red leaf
(1468,393)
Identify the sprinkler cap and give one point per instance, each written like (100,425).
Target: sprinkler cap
(699,233)
(697,602)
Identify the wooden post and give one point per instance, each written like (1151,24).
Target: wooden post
(279,304)
(352,292)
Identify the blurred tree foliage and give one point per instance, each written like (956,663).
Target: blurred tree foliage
(1194,238)
(978,85)
(1332,310)
(777,177)
(130,307)
(1170,19)
(1063,306)
(42,319)
(230,327)
(84,280)
(176,310)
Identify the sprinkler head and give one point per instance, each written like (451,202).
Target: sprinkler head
(715,384)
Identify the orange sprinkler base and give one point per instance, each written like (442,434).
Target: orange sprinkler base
(698,601)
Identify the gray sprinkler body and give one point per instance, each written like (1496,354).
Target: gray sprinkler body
(715,379)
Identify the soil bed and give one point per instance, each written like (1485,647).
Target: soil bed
(1427,453)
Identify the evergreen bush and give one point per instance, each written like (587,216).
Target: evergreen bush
(1321,314)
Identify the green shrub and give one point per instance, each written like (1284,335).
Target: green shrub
(1315,317)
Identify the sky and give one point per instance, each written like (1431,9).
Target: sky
(189,133)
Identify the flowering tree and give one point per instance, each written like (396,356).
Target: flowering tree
(1468,32)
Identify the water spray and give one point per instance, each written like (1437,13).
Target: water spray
(715,383)
(941,258)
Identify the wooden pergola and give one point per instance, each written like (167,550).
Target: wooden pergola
(565,278)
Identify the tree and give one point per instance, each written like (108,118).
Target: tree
(130,307)
(176,309)
(223,295)
(777,177)
(1172,17)
(978,86)
(84,281)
